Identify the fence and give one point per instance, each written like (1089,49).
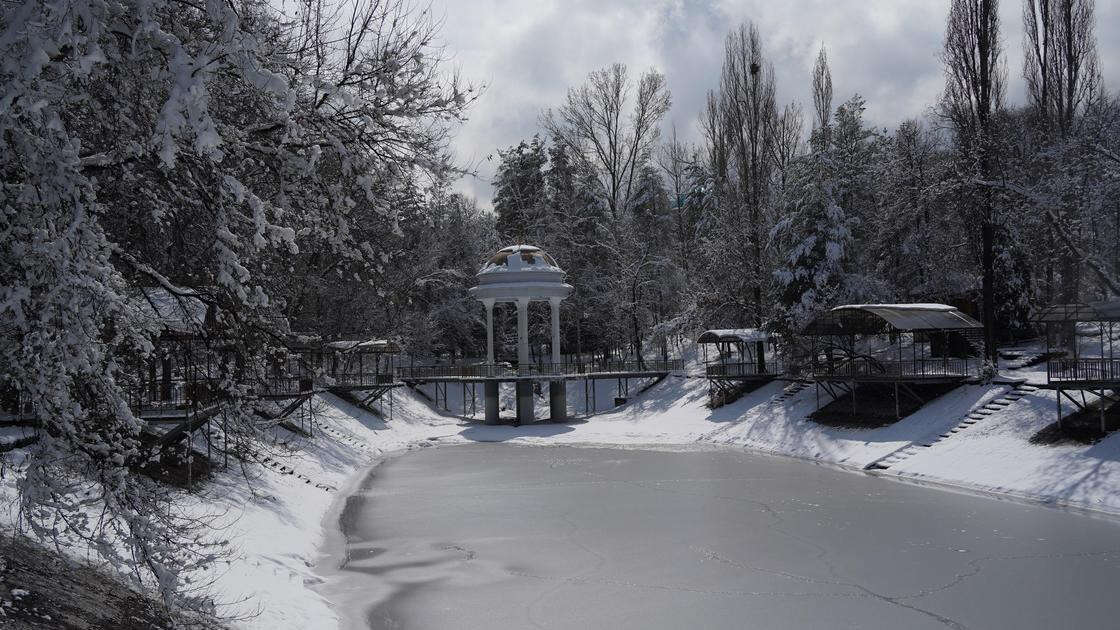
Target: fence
(866,368)
(287,385)
(495,371)
(361,379)
(1096,370)
(176,393)
(734,370)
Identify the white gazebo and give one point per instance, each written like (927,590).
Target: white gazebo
(522,274)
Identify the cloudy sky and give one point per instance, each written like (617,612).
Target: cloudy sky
(528,52)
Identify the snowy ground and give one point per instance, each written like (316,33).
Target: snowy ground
(280,520)
(992,455)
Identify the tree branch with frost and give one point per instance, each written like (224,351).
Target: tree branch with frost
(1107,153)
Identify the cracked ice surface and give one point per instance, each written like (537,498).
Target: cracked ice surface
(501,536)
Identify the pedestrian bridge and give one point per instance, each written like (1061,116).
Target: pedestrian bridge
(548,371)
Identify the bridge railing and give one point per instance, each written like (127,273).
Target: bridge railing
(498,370)
(287,385)
(916,369)
(176,393)
(1096,370)
(361,379)
(747,368)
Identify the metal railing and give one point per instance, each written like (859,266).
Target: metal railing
(492,370)
(287,385)
(750,368)
(179,393)
(909,369)
(360,379)
(1097,370)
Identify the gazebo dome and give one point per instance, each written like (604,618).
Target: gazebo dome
(520,258)
(521,271)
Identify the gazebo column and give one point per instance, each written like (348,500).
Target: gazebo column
(555,302)
(489,304)
(524,386)
(490,388)
(490,400)
(522,335)
(557,394)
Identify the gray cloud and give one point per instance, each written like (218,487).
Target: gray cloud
(529,52)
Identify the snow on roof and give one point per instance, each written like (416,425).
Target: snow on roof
(527,258)
(853,319)
(916,306)
(907,317)
(733,335)
(520,272)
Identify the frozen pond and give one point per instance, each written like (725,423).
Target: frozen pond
(499,536)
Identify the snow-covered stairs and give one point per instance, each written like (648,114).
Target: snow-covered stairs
(340,436)
(790,391)
(997,404)
(269,461)
(1029,360)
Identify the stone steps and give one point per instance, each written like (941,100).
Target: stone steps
(1000,403)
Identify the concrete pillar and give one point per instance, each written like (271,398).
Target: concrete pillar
(490,398)
(489,304)
(525,401)
(558,400)
(555,302)
(523,335)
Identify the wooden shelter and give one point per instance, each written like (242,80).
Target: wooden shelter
(360,370)
(361,364)
(1099,374)
(893,345)
(177,384)
(181,366)
(737,361)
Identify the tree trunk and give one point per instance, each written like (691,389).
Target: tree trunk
(987,236)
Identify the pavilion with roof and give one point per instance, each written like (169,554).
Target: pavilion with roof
(1084,369)
(738,362)
(520,274)
(893,346)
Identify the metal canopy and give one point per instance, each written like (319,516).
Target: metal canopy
(1095,312)
(733,335)
(876,319)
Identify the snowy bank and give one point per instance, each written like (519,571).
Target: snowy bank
(281,519)
(279,526)
(995,455)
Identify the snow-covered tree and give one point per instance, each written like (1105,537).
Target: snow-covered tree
(830,196)
(519,192)
(210,150)
(973,99)
(819,233)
